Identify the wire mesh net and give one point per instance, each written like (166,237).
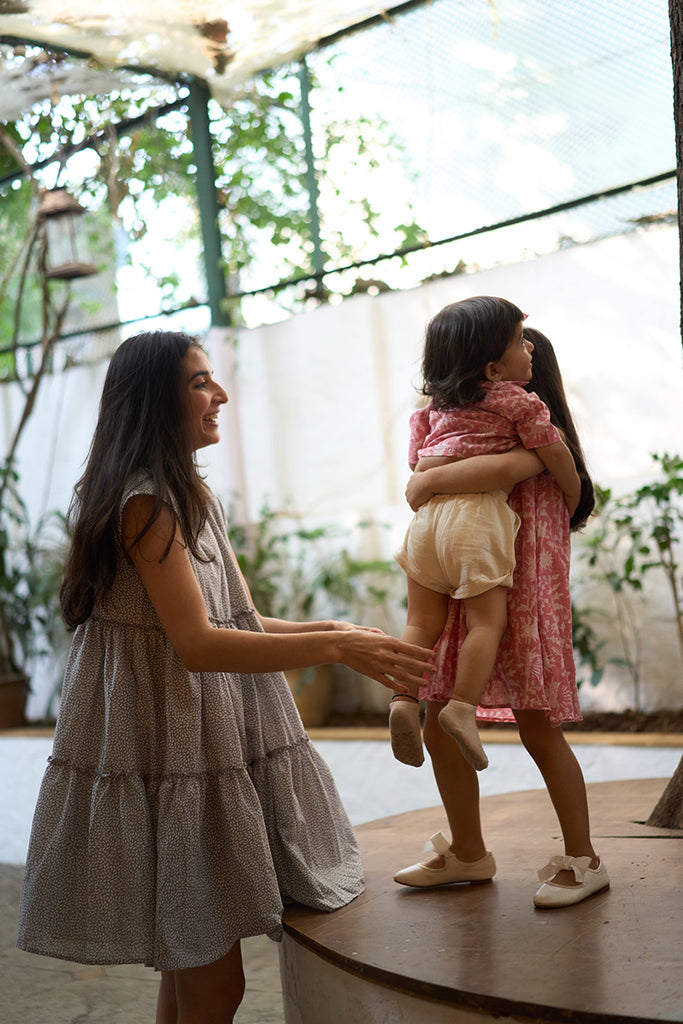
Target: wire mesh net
(513,106)
(457,133)
(493,111)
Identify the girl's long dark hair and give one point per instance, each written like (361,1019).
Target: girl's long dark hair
(547,383)
(141,429)
(459,342)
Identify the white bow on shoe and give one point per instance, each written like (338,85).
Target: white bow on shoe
(579,865)
(590,881)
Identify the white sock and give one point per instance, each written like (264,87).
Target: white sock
(458,720)
(404,728)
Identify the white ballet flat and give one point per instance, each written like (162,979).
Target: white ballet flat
(591,881)
(422,877)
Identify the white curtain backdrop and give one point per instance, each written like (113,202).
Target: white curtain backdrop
(318,419)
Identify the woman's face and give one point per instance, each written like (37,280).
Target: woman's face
(202,397)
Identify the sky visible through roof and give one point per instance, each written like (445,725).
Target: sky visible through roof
(500,109)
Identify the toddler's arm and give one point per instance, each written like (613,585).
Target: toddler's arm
(559,461)
(476,474)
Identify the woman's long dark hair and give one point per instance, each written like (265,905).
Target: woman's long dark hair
(141,429)
(547,383)
(459,342)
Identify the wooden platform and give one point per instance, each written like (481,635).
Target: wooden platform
(464,953)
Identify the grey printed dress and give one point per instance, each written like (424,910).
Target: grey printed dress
(179,811)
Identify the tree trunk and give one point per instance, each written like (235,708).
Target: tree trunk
(669,810)
(676,19)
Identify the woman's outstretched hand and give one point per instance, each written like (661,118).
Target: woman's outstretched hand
(383,658)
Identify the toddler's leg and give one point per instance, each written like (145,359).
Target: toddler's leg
(426,618)
(486,622)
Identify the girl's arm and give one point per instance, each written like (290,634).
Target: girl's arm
(559,461)
(177,599)
(476,474)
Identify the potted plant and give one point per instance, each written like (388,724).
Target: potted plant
(30,574)
(301,572)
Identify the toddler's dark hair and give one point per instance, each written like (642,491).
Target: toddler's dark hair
(459,342)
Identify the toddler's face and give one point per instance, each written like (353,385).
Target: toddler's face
(515,363)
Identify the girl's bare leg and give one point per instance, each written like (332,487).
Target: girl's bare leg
(565,784)
(167,1006)
(203,995)
(427,612)
(486,616)
(459,789)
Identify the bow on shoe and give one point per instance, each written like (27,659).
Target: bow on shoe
(579,865)
(438,843)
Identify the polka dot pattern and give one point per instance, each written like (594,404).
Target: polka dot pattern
(179,811)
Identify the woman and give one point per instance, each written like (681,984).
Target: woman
(183,804)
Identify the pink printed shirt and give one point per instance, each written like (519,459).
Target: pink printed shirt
(506,416)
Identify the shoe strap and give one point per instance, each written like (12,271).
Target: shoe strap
(439,843)
(579,865)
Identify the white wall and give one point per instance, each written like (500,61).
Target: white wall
(320,403)
(324,401)
(333,388)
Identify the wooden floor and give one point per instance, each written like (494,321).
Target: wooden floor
(617,957)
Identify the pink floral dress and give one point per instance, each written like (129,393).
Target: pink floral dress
(535,665)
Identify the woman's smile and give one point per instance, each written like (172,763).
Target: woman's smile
(205,397)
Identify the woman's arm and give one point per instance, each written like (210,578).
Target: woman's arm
(177,599)
(478,473)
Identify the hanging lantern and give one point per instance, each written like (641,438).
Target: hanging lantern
(66,247)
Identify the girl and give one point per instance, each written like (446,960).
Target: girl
(534,674)
(183,803)
(476,363)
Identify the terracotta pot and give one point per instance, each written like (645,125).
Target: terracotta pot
(14,690)
(313,699)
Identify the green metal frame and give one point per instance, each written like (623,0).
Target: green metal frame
(311,178)
(209,210)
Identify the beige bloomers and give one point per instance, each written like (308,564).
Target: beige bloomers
(461,544)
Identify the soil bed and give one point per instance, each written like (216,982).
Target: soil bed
(629,721)
(593,721)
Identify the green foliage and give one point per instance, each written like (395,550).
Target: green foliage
(586,644)
(635,535)
(354,216)
(20,298)
(642,532)
(15,596)
(299,573)
(259,155)
(30,576)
